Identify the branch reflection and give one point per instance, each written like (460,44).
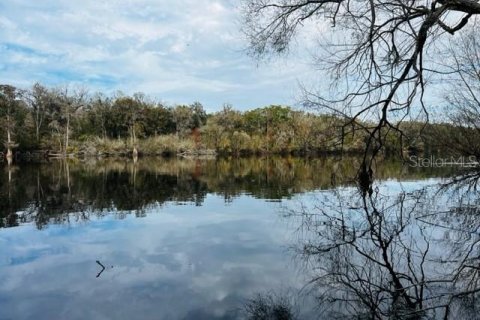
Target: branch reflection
(389,254)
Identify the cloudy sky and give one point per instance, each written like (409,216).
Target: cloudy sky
(175,51)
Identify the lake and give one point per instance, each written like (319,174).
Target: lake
(204,238)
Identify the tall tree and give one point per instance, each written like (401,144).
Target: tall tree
(464,97)
(8,104)
(71,103)
(38,99)
(199,116)
(183,118)
(101,107)
(131,112)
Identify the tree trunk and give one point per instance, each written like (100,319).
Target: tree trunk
(134,142)
(37,125)
(67,173)
(67,133)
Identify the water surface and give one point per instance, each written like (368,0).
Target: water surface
(179,239)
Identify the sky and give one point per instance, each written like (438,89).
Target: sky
(174,51)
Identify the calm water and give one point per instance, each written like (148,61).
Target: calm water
(179,239)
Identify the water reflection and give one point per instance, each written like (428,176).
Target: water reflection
(394,253)
(60,191)
(208,242)
(179,262)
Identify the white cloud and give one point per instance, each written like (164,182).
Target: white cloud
(178,51)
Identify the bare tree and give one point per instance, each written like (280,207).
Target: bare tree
(38,98)
(381,60)
(270,306)
(463,98)
(100,106)
(70,104)
(403,256)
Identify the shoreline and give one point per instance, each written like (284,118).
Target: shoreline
(39,155)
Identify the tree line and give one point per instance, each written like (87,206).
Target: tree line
(65,122)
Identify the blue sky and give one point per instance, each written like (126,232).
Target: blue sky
(175,51)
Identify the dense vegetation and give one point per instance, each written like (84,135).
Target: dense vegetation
(63,122)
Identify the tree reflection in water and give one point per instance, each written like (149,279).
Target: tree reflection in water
(65,191)
(379,254)
(394,255)
(271,306)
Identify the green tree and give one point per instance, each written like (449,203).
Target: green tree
(183,118)
(130,117)
(158,120)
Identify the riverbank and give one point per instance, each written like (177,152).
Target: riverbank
(165,146)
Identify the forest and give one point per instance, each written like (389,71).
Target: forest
(64,122)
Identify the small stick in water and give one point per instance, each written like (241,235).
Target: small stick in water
(101,265)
